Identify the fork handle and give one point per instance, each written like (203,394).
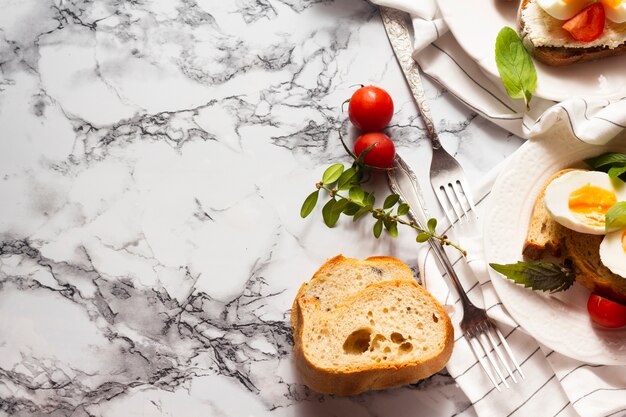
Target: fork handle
(397,27)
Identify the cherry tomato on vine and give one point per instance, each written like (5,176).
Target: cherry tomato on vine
(605,312)
(587,25)
(383,152)
(370,109)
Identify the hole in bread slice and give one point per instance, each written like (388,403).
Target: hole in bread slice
(357,342)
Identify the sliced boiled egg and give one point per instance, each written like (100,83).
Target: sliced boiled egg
(613,252)
(563,9)
(579,200)
(615,10)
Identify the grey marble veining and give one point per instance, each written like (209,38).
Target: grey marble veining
(153,159)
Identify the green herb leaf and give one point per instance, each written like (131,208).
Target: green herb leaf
(616,171)
(392,228)
(422,237)
(391,200)
(403,209)
(378,228)
(515,65)
(542,276)
(616,216)
(309,204)
(339,206)
(361,212)
(332,174)
(351,209)
(357,194)
(432,224)
(370,199)
(347,179)
(606,159)
(330,218)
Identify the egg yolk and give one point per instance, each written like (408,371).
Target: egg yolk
(611,3)
(624,240)
(590,203)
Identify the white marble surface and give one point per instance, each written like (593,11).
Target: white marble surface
(153,159)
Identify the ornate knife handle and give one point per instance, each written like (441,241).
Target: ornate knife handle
(397,26)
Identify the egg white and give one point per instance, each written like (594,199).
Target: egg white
(562,10)
(557,194)
(615,14)
(612,253)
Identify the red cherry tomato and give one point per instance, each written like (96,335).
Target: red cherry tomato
(370,108)
(605,312)
(588,24)
(383,152)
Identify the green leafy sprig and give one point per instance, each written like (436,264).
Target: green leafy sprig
(357,202)
(542,276)
(515,66)
(614,164)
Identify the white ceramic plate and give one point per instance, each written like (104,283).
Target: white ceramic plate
(559,321)
(476,25)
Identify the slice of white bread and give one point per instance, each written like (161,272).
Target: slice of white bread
(367,325)
(548,42)
(547,237)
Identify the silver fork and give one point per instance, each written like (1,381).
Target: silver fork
(476,326)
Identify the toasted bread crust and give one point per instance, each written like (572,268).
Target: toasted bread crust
(374,376)
(560,56)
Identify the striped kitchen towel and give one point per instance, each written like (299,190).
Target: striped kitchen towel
(440,56)
(555,385)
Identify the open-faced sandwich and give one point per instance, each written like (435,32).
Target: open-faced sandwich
(563,32)
(569,221)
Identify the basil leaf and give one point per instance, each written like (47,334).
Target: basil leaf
(309,204)
(378,228)
(616,216)
(332,174)
(616,171)
(391,200)
(542,276)
(609,158)
(422,237)
(515,65)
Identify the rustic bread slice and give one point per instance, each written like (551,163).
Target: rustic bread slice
(584,252)
(552,48)
(351,337)
(341,277)
(544,235)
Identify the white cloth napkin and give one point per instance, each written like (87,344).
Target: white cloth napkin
(555,385)
(440,56)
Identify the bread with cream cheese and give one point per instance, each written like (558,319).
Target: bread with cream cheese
(546,40)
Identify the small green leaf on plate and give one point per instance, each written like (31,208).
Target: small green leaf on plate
(609,158)
(542,276)
(616,216)
(515,65)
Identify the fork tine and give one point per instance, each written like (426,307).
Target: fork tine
(446,190)
(458,192)
(510,353)
(441,196)
(468,195)
(492,361)
(499,352)
(482,362)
